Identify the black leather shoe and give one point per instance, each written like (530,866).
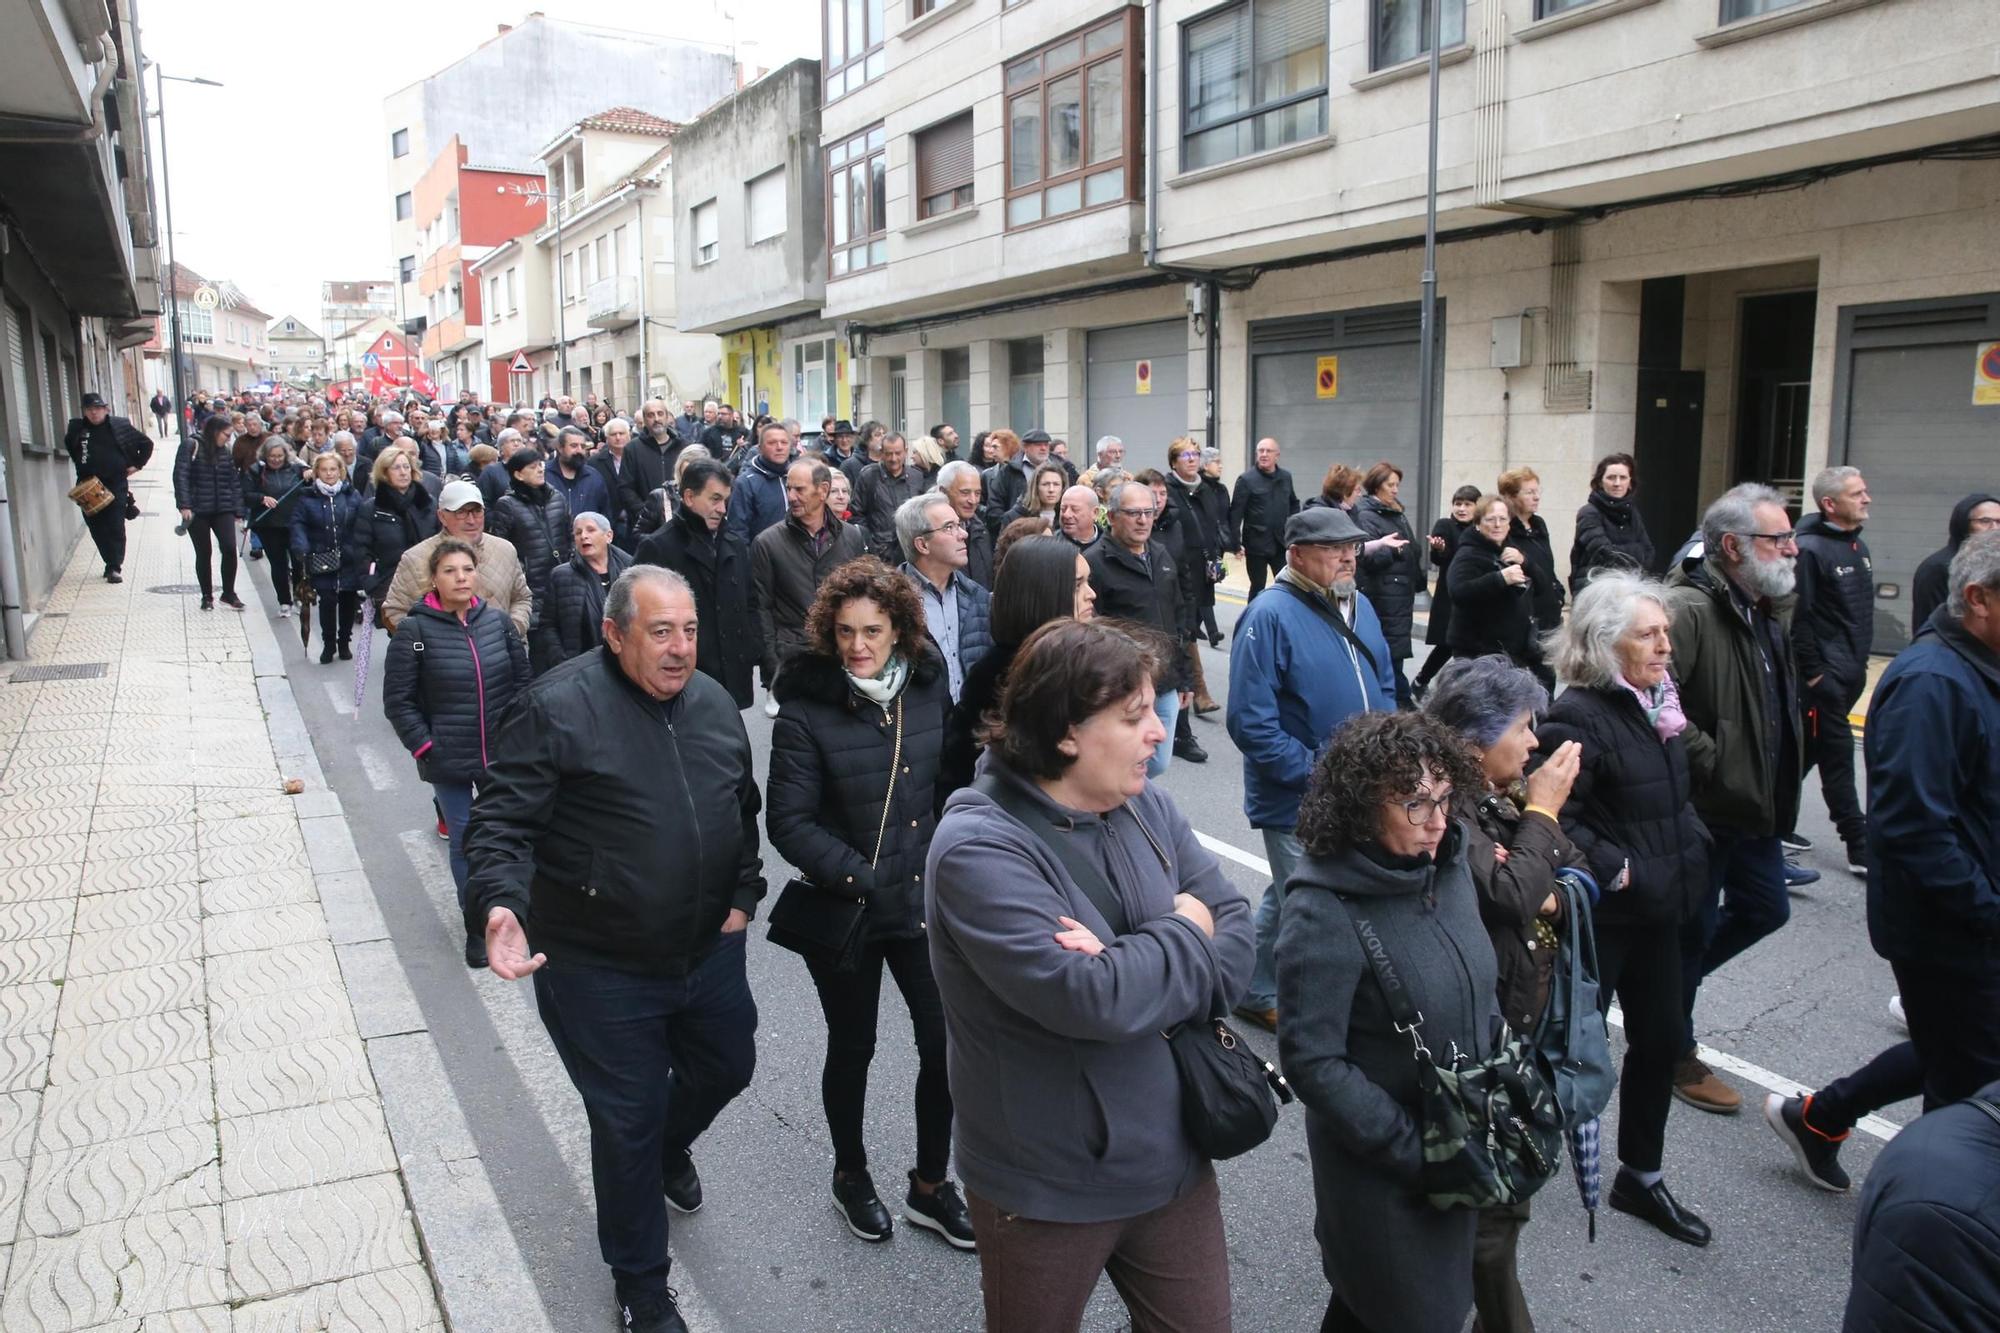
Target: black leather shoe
(650,1312)
(475,952)
(681,1183)
(1652,1203)
(942,1210)
(854,1198)
(346,653)
(1188,748)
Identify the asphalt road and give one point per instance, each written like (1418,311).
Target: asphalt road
(768,1255)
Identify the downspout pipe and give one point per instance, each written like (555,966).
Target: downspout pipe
(1152,119)
(1213,305)
(14,628)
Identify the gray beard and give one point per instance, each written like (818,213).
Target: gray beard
(1770,578)
(1343,588)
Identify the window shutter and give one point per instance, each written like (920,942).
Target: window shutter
(944,158)
(1289,46)
(17,382)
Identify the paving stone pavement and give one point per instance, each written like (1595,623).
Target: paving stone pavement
(191,1137)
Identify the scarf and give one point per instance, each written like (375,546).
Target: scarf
(1663,706)
(884,688)
(328,491)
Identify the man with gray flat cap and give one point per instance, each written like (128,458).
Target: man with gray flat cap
(1304,660)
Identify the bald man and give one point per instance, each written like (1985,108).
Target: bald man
(1076,515)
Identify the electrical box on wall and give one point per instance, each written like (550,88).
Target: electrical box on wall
(1511,342)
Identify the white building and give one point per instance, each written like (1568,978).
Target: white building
(297,353)
(223,339)
(346,310)
(1738,238)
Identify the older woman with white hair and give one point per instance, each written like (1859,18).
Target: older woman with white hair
(574,613)
(1630,815)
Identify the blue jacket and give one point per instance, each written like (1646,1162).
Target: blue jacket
(1293,678)
(758,500)
(586,495)
(1933,752)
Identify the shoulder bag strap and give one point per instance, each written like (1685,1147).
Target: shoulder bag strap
(1081,868)
(895,763)
(1992,1112)
(1334,618)
(1406,1015)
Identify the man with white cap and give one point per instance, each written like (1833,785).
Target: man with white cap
(499,581)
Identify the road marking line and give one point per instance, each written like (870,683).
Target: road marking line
(1873,1125)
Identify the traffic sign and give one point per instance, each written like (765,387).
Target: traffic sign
(1327,384)
(521,366)
(369,361)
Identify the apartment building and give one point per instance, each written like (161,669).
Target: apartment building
(519,87)
(225,343)
(1737,238)
(464,209)
(590,305)
(750,195)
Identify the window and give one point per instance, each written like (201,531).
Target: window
(399,143)
(919,8)
(603,248)
(764,207)
(814,375)
(703,227)
(621,250)
(20,393)
(1735,9)
(493,296)
(857,204)
(944,166)
(569,278)
(406,268)
(1024,384)
(583,263)
(1544,8)
(1254,78)
(403,206)
(58,412)
(1072,117)
(854,32)
(1402,29)
(513,306)
(197,326)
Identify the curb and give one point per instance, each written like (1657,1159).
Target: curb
(481,1279)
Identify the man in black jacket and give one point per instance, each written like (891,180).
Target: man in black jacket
(110,449)
(616,834)
(716,562)
(1832,630)
(1135,579)
(881,490)
(1262,501)
(648,465)
(789,560)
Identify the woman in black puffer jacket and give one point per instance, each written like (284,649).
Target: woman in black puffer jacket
(1391,568)
(1609,532)
(330,521)
(454,665)
(534,517)
(276,475)
(854,765)
(1529,535)
(208,490)
(403,513)
(1490,611)
(575,613)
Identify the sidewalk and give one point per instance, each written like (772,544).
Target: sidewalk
(190,1126)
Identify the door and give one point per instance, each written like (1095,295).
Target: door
(1135,387)
(1774,371)
(1666,446)
(899,395)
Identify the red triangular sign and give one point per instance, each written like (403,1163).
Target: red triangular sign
(521,365)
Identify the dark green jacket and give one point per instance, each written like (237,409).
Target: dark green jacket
(1717,668)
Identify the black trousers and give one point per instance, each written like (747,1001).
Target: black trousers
(1895,1075)
(1260,565)
(207,531)
(1830,745)
(1640,964)
(851,1001)
(1954,1018)
(336,617)
(107,530)
(1440,654)
(278,551)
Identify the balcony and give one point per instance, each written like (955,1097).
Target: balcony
(612,303)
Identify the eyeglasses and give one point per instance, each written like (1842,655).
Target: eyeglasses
(1186,453)
(1778,539)
(954,526)
(1420,810)
(1139,513)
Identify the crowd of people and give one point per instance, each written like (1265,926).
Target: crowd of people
(976,665)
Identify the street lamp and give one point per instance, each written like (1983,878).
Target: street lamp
(1427,319)
(554,203)
(167,194)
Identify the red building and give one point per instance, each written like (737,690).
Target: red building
(463,211)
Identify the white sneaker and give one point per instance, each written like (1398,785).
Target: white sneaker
(1896,1012)
(770,708)
(285,611)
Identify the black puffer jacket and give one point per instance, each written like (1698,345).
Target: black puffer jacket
(718,569)
(1488,614)
(1931,585)
(574,614)
(1530,537)
(1630,802)
(445,685)
(830,769)
(1448,530)
(1145,591)
(981,695)
(262,482)
(536,520)
(212,487)
(1835,620)
(1390,578)
(399,520)
(1609,535)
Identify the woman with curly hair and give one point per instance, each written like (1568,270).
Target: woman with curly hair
(854,767)
(1383,853)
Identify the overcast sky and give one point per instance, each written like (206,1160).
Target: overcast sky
(279,175)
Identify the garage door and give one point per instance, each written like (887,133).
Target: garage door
(1372,413)
(1912,428)
(1147,421)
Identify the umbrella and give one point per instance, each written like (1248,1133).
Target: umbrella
(366,633)
(302,595)
(1583,1151)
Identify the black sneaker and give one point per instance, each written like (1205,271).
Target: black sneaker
(232,601)
(682,1185)
(256,554)
(854,1198)
(1817,1155)
(1857,859)
(1796,842)
(475,952)
(651,1312)
(942,1211)
(208,603)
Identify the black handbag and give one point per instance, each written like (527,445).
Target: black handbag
(1229,1094)
(818,923)
(322,562)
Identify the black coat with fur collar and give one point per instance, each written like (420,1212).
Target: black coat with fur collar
(831,755)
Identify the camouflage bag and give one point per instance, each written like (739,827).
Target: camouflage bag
(1492,1132)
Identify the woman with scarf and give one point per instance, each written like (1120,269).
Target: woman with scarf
(1609,532)
(276,475)
(574,615)
(330,543)
(1629,814)
(402,513)
(854,767)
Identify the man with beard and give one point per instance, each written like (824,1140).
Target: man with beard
(648,465)
(579,484)
(716,564)
(1738,683)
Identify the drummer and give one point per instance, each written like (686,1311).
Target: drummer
(110,449)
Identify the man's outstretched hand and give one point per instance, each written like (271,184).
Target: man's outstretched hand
(507,946)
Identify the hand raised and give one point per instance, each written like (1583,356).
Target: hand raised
(1548,786)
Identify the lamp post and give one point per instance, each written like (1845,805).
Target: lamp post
(1427,323)
(173,269)
(554,203)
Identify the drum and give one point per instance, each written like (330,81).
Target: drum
(92,496)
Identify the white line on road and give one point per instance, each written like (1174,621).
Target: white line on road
(1873,1125)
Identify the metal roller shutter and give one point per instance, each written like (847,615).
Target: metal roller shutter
(1149,421)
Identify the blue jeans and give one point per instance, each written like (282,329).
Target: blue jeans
(1746,901)
(655,1060)
(1166,707)
(455,803)
(1282,850)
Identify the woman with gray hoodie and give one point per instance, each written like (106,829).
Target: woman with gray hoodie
(1056,990)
